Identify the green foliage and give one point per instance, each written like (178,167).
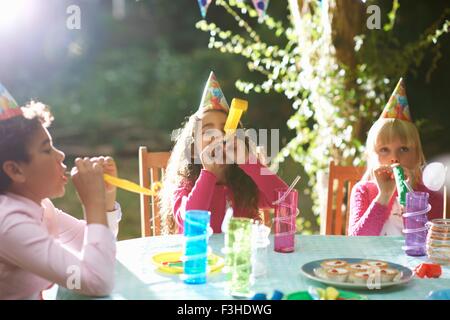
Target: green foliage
(130,93)
(333,105)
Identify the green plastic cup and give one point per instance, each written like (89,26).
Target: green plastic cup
(238,255)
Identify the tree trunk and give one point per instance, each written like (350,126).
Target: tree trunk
(347,19)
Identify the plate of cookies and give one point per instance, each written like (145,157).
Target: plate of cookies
(357,273)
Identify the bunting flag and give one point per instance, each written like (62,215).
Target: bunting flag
(204,4)
(261,7)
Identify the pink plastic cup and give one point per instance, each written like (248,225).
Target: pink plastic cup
(285,220)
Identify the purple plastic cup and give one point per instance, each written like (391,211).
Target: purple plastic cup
(414,221)
(285,220)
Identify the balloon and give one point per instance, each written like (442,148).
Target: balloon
(434,176)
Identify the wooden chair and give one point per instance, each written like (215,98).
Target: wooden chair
(266,215)
(336,216)
(152,166)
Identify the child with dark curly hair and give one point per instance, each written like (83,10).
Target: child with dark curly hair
(39,244)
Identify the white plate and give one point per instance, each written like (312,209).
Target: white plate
(307,270)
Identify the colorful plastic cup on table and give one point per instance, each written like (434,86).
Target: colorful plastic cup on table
(260,249)
(238,256)
(285,220)
(414,221)
(443,294)
(195,259)
(238,106)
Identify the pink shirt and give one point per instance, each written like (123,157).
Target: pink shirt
(368,217)
(41,245)
(207,195)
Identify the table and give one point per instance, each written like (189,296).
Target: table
(137,277)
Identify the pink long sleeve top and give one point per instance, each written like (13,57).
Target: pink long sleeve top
(367,217)
(41,245)
(205,194)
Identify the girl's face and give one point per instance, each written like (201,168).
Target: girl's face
(44,175)
(212,127)
(396,151)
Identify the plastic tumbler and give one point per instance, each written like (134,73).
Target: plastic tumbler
(195,259)
(285,220)
(260,249)
(414,222)
(238,256)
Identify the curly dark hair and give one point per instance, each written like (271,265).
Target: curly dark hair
(16,134)
(183,171)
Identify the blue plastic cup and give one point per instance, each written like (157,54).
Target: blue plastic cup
(195,259)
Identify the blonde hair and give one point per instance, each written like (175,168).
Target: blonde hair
(384,131)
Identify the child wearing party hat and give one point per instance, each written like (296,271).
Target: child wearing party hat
(39,244)
(392,140)
(203,173)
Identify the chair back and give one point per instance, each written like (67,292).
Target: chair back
(341,181)
(152,166)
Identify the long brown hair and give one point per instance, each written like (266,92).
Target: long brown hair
(183,169)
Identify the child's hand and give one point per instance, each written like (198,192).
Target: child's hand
(87,176)
(386,183)
(109,167)
(213,158)
(235,149)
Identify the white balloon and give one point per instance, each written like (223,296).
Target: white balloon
(434,176)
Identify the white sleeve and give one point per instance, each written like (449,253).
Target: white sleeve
(113,218)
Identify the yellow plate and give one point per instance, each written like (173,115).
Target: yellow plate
(170,262)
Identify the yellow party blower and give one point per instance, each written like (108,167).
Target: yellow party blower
(238,106)
(127,185)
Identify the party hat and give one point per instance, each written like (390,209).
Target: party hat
(204,4)
(261,6)
(397,106)
(8,106)
(213,98)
